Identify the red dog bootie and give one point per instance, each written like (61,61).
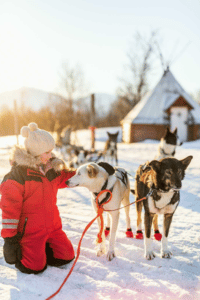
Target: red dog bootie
(107,231)
(139,235)
(157,235)
(129,233)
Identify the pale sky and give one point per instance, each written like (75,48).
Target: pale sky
(36,37)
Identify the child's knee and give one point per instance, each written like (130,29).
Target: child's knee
(33,261)
(63,253)
(70,252)
(26,270)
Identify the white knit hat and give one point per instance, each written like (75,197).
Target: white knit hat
(37,141)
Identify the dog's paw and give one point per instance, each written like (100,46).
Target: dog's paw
(107,231)
(101,249)
(149,255)
(129,233)
(157,235)
(139,235)
(110,255)
(166,254)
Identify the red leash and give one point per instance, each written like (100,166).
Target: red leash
(99,214)
(126,205)
(100,211)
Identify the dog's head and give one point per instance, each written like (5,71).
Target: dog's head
(91,176)
(170,137)
(169,142)
(111,144)
(113,136)
(81,157)
(169,172)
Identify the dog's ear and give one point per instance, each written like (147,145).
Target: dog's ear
(155,165)
(116,134)
(186,161)
(175,131)
(92,171)
(109,169)
(108,133)
(167,130)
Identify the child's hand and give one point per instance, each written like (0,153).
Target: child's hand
(11,249)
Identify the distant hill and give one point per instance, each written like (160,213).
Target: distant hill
(29,97)
(36,99)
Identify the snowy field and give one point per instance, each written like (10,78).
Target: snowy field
(129,276)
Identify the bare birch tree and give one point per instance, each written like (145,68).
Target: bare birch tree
(72,83)
(141,59)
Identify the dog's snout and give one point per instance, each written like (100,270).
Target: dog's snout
(176,183)
(179,185)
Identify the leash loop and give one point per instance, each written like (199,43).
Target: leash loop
(100,211)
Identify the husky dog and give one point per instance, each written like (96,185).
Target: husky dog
(78,158)
(98,177)
(168,143)
(110,150)
(160,181)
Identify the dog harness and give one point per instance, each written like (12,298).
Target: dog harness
(153,193)
(124,180)
(104,187)
(124,177)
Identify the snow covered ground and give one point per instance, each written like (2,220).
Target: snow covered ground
(129,276)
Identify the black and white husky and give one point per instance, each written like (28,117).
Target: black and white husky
(110,150)
(160,183)
(98,177)
(168,144)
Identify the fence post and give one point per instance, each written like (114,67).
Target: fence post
(92,122)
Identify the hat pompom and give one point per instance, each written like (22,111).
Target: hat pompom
(33,126)
(25,131)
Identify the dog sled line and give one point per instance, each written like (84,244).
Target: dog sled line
(76,155)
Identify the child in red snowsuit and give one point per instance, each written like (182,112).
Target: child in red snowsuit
(31,224)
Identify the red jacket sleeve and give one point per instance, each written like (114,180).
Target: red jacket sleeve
(64,176)
(11,205)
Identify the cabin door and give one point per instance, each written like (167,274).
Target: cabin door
(178,118)
(127,133)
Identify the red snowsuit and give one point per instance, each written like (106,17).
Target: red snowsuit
(28,206)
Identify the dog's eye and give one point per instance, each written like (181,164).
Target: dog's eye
(180,172)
